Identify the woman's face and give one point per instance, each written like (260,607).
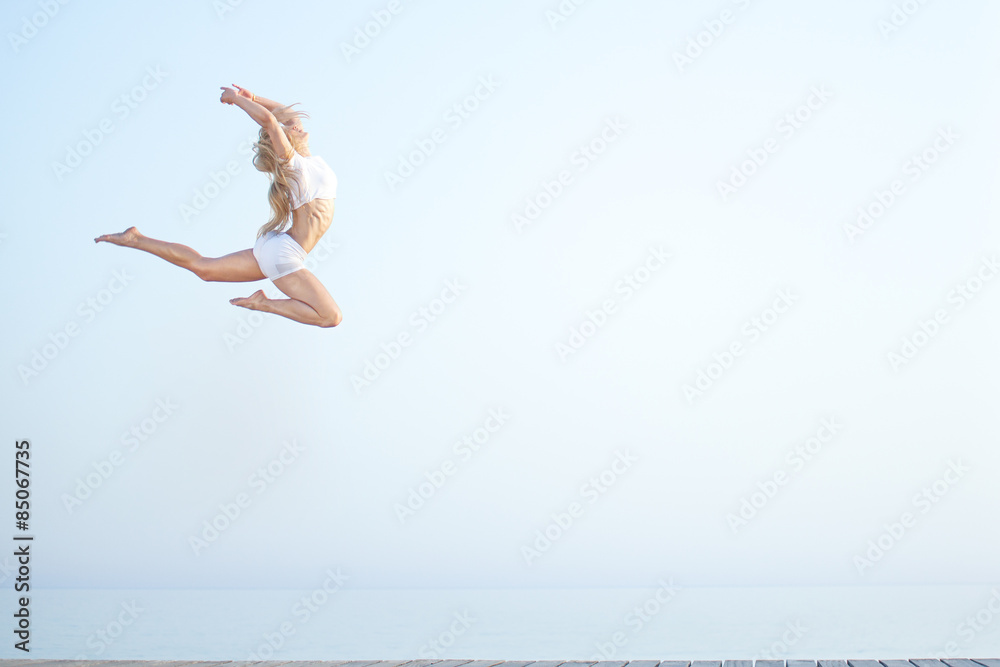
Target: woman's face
(296,130)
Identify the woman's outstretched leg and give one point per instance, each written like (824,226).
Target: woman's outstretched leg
(237,267)
(309,302)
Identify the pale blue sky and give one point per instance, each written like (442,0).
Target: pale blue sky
(168,336)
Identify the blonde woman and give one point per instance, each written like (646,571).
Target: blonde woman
(303,189)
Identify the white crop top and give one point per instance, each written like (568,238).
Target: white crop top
(316,179)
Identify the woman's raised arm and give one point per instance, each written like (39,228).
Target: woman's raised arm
(262,117)
(270,105)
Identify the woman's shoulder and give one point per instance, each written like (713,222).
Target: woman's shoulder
(294,159)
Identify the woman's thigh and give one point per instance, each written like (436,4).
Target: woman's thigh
(303,285)
(236,267)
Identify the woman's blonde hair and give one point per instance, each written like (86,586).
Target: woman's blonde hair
(266,160)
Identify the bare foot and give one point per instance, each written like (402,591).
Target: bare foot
(126,238)
(255,301)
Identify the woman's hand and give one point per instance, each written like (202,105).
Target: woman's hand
(256,109)
(244,92)
(228,95)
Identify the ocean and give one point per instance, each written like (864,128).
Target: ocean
(662,622)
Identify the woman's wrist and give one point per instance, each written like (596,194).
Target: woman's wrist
(243,92)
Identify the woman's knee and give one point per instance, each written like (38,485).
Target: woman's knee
(332,319)
(206,269)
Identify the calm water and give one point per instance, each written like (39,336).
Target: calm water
(688,623)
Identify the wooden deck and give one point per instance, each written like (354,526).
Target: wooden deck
(962,662)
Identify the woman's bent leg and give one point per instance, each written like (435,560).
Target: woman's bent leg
(237,267)
(308,302)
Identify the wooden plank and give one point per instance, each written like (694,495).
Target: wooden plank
(19,662)
(155,663)
(120,663)
(916,662)
(40,662)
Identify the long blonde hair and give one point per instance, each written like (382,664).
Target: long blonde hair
(266,160)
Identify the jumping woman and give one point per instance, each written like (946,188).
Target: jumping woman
(303,188)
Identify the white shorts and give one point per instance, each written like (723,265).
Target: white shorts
(278,254)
